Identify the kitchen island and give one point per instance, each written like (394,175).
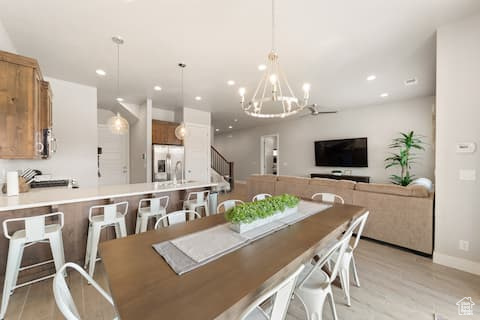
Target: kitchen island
(75,204)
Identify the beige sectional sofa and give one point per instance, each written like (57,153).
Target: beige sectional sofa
(402,216)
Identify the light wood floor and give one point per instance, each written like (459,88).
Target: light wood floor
(395,285)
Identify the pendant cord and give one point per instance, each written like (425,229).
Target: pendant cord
(273,26)
(118,69)
(183,97)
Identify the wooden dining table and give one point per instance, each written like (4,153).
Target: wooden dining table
(144,286)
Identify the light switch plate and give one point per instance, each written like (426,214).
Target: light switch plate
(468,175)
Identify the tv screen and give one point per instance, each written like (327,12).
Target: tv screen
(341,153)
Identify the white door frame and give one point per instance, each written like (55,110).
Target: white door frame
(262,152)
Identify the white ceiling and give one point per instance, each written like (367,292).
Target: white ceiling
(333,44)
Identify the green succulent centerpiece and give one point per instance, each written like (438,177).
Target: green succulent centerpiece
(252,211)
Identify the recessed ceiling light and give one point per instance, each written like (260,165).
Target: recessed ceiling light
(371,77)
(262,67)
(217,130)
(230,127)
(235,120)
(384,95)
(198,98)
(120,99)
(231,82)
(101,72)
(157,88)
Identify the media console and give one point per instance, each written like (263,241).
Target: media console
(340,177)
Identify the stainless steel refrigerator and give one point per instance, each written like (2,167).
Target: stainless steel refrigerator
(165,158)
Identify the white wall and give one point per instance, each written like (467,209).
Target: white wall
(75,127)
(141,145)
(103,115)
(6,43)
(458,114)
(162,114)
(379,123)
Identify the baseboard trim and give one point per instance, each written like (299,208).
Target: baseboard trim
(457,263)
(241,181)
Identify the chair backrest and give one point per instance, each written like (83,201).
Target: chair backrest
(200,196)
(261,196)
(175,217)
(109,211)
(62,294)
(228,204)
(328,197)
(283,295)
(155,203)
(358,230)
(34,226)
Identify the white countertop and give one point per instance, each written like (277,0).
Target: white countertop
(54,196)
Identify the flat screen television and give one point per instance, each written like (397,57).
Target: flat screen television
(341,153)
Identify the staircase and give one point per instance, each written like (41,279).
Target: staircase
(222,166)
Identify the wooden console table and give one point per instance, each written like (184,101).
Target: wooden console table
(341,177)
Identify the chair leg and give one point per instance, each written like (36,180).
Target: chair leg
(17,269)
(344,276)
(56,247)
(137,224)
(123,228)
(93,250)
(14,250)
(355,273)
(89,245)
(332,304)
(207,209)
(143,223)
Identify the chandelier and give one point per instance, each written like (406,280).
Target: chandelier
(273,97)
(180,130)
(117,123)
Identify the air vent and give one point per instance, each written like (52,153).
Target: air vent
(411,82)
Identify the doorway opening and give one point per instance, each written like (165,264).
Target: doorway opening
(270,154)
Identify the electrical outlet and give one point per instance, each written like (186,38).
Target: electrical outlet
(464,245)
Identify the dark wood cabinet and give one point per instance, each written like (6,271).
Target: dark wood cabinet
(341,177)
(163,132)
(25,107)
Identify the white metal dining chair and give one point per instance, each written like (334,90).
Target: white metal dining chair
(315,285)
(176,217)
(36,231)
(196,200)
(110,216)
(261,196)
(156,208)
(63,296)
(281,296)
(348,261)
(328,197)
(228,204)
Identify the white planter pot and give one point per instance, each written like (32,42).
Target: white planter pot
(244,227)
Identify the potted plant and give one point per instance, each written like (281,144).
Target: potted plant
(251,215)
(406,144)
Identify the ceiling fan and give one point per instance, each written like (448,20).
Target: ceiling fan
(315,110)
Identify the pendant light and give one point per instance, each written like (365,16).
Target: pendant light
(273,97)
(180,130)
(117,123)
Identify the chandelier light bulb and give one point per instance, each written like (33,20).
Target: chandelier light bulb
(306,87)
(241,92)
(273,79)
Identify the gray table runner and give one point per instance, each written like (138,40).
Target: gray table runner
(191,251)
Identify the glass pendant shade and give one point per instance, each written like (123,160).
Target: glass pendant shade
(118,124)
(180,131)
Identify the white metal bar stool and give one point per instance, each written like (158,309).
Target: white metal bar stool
(328,197)
(197,200)
(111,217)
(36,231)
(228,204)
(157,207)
(63,296)
(261,196)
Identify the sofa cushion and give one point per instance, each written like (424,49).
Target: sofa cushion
(263,177)
(291,185)
(410,191)
(345,184)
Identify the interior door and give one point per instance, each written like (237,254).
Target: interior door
(113,162)
(197,152)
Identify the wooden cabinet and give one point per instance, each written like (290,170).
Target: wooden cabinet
(163,132)
(25,107)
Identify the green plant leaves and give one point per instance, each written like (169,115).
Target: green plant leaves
(251,211)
